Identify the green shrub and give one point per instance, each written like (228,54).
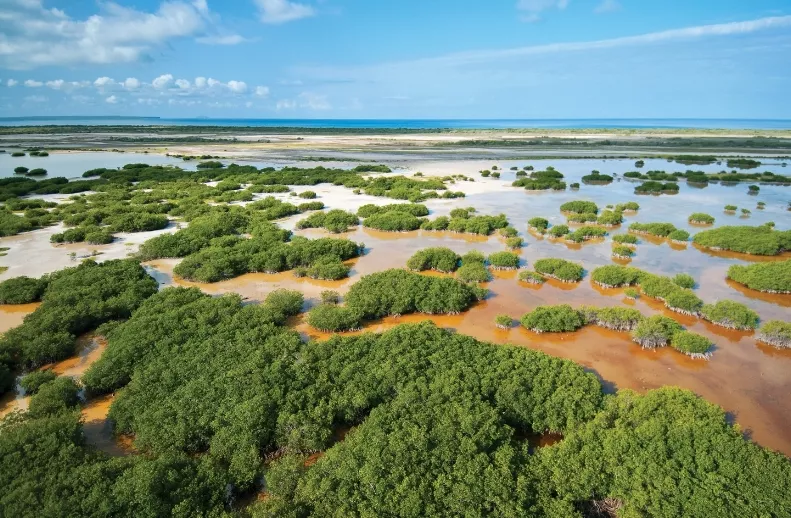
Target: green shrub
(326,268)
(691,344)
(701,218)
(616,318)
(415,209)
(746,211)
(631,293)
(616,276)
(38,171)
(21,169)
(731,208)
(514,243)
(559,231)
(580,207)
(473,272)
(683,301)
(652,187)
(210,164)
(308,195)
(310,205)
(653,229)
(503,321)
(684,280)
(331,318)
(625,239)
(585,234)
(596,177)
(539,225)
(776,333)
(504,261)
(54,397)
(760,240)
(440,259)
(679,236)
(770,277)
(393,222)
(730,314)
(22,290)
(610,218)
(473,257)
(553,319)
(17,154)
(330,297)
(32,381)
(584,217)
(531,277)
(508,232)
(559,269)
(482,225)
(629,206)
(335,221)
(657,286)
(655,331)
(622,252)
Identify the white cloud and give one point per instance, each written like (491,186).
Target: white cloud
(30,83)
(238,87)
(533,8)
(111,100)
(229,39)
(607,6)
(285,104)
(12,82)
(36,99)
(35,36)
(57,84)
(262,91)
(213,82)
(248,104)
(103,82)
(182,83)
(132,83)
(200,82)
(282,11)
(162,81)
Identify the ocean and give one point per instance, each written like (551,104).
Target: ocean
(412,124)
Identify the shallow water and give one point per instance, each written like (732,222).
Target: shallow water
(749,380)
(71,164)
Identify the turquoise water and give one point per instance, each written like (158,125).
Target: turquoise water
(413,124)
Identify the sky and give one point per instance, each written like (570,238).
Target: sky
(386,59)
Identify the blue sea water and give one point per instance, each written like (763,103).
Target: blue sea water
(414,124)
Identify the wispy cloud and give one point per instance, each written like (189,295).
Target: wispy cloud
(607,6)
(228,39)
(282,11)
(531,9)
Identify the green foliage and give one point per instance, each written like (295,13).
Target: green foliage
(655,331)
(679,235)
(610,218)
(652,187)
(310,205)
(21,169)
(330,297)
(372,168)
(684,280)
(560,269)
(17,154)
(440,259)
(393,222)
(514,243)
(580,207)
(772,277)
(54,397)
(481,225)
(308,195)
(631,293)
(473,257)
(588,217)
(622,251)
(503,261)
(615,276)
(332,318)
(653,229)
(553,319)
(22,290)
(728,313)
(701,218)
(38,171)
(473,272)
(509,232)
(625,239)
(691,344)
(629,206)
(776,333)
(32,381)
(531,277)
(559,230)
(683,301)
(760,240)
(731,208)
(335,221)
(399,292)
(77,300)
(210,164)
(617,318)
(597,178)
(585,234)
(539,225)
(503,321)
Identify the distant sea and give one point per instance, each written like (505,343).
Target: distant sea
(414,124)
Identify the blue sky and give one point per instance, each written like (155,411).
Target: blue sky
(397,59)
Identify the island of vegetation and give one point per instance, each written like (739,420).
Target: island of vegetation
(769,277)
(701,218)
(560,269)
(776,333)
(760,240)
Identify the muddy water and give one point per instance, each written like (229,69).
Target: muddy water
(749,380)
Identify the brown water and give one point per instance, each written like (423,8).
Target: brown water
(748,379)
